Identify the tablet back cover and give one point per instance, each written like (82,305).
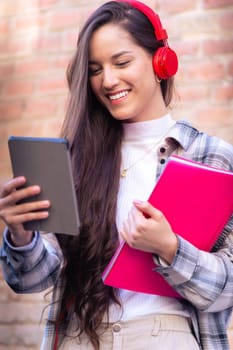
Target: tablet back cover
(46,162)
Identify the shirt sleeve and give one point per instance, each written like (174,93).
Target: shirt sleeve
(205,279)
(31,268)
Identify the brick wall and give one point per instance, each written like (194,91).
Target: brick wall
(37,38)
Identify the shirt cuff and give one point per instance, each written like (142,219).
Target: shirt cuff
(159,261)
(24,248)
(183,265)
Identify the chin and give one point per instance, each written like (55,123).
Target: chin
(124,117)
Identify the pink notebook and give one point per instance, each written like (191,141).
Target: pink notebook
(197,201)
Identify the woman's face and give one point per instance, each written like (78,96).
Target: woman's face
(122,77)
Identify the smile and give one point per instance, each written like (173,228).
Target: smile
(118,95)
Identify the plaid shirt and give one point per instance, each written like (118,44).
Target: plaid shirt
(204,280)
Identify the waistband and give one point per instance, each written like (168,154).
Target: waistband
(157,322)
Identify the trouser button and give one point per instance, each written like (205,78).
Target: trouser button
(116,327)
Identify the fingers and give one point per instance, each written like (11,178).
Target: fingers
(17,196)
(30,206)
(140,213)
(143,222)
(11,186)
(10,192)
(148,210)
(13,210)
(29,216)
(147,229)
(25,212)
(132,227)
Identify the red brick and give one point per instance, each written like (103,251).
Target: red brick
(221,46)
(4,47)
(169,6)
(6,70)
(190,93)
(5,289)
(32,66)
(12,313)
(7,8)
(30,126)
(1,272)
(29,22)
(61,63)
(49,42)
(6,174)
(47,3)
(213,114)
(204,71)
(40,107)
(230,68)
(21,334)
(224,93)
(18,87)
(226,21)
(69,39)
(4,154)
(4,27)
(35,124)
(12,8)
(11,109)
(53,126)
(52,84)
(18,46)
(65,18)
(217,3)
(186,48)
(17,347)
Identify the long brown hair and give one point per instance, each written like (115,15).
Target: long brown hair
(95,141)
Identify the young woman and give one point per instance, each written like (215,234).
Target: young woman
(120,135)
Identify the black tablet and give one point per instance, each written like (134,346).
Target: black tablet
(46,162)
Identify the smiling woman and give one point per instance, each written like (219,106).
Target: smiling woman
(118,122)
(117,70)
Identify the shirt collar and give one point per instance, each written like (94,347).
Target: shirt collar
(183,133)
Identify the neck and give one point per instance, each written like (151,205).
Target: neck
(147,129)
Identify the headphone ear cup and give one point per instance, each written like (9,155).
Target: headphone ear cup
(165,62)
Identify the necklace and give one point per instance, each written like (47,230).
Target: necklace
(147,152)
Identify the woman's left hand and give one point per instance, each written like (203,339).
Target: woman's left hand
(147,229)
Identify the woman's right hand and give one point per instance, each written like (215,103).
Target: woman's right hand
(14,214)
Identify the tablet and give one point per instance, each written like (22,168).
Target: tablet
(46,162)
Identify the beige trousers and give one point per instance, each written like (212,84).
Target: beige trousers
(161,332)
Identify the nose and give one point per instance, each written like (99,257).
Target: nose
(110,78)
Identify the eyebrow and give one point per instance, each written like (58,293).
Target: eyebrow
(115,56)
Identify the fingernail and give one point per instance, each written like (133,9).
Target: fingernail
(137,201)
(21,178)
(36,189)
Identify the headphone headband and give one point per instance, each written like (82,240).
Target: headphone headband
(160,32)
(165,62)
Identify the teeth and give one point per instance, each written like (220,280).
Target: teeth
(119,95)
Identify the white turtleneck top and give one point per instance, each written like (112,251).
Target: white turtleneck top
(139,154)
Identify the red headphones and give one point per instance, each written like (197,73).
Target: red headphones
(165,61)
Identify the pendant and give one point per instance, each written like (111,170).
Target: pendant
(123,173)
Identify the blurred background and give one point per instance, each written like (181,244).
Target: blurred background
(37,40)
